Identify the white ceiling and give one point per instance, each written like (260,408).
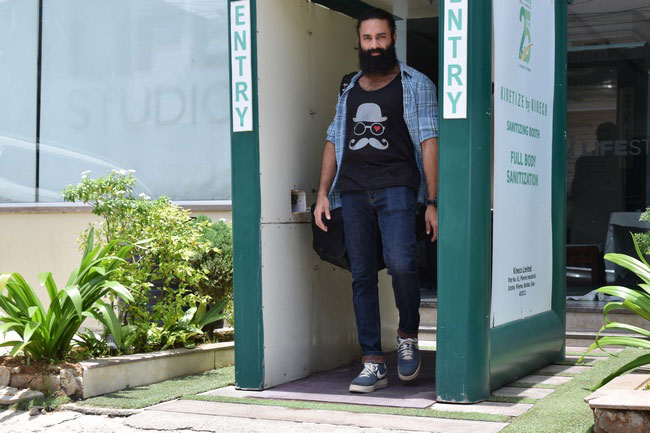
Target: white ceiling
(408,8)
(608,22)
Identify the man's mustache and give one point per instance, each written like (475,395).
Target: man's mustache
(363,142)
(377,50)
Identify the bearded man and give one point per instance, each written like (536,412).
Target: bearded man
(379,162)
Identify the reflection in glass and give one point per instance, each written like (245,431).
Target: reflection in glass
(141,85)
(607,129)
(18,59)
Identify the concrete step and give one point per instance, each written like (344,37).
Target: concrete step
(574,337)
(583,320)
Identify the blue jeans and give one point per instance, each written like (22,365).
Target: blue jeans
(393,210)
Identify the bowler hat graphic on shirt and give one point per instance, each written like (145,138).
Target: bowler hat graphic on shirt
(368,117)
(369,112)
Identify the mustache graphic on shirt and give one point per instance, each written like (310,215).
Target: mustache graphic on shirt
(363,142)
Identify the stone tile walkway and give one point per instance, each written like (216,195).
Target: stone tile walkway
(185,416)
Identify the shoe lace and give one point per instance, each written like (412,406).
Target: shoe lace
(406,348)
(369,369)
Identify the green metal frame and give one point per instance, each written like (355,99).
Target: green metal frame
(471,357)
(247,250)
(464,265)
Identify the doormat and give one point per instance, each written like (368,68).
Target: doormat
(332,387)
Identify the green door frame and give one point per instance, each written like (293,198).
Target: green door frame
(247,246)
(472,358)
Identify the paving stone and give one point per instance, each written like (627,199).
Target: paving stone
(511,391)
(9,395)
(156,414)
(20,422)
(574,358)
(555,369)
(583,349)
(544,380)
(491,407)
(5,376)
(230,391)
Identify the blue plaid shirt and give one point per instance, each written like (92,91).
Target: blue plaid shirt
(420,115)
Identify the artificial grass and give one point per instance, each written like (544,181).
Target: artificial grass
(357,408)
(147,395)
(49,403)
(565,410)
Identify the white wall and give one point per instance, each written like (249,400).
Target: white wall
(303,51)
(35,242)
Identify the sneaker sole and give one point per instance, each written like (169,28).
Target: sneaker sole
(412,376)
(381,383)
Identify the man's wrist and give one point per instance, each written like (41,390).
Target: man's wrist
(432,202)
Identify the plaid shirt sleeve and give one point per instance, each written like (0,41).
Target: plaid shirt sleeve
(427,108)
(331,131)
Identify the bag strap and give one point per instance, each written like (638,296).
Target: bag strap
(345,81)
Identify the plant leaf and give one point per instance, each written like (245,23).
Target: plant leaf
(634,265)
(638,362)
(75,296)
(119,290)
(626,327)
(109,320)
(620,341)
(215,313)
(638,251)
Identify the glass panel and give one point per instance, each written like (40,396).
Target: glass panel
(18,60)
(137,84)
(607,132)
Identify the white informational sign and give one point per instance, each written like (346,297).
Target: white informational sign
(524,72)
(454,86)
(240,60)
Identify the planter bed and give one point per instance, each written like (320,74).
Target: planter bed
(622,405)
(103,375)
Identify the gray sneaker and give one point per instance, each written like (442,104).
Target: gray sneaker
(408,358)
(372,377)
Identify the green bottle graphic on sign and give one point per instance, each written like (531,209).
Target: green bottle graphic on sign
(526,44)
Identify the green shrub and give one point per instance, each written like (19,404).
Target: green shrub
(48,334)
(636,300)
(161,272)
(216,262)
(643,239)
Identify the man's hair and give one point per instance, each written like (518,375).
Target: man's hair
(377,14)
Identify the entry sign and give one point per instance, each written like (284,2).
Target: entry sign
(524,74)
(455,62)
(240,61)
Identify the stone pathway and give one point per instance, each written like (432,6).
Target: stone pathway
(185,416)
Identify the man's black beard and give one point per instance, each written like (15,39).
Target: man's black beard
(378,65)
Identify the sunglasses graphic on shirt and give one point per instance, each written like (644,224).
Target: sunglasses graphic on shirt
(375,128)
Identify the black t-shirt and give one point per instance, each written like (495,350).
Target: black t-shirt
(378,148)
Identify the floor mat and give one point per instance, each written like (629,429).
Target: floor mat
(332,387)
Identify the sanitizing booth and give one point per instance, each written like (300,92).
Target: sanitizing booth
(502,202)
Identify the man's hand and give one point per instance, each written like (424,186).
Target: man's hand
(431,221)
(323,207)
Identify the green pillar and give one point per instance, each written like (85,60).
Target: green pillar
(464,264)
(247,250)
